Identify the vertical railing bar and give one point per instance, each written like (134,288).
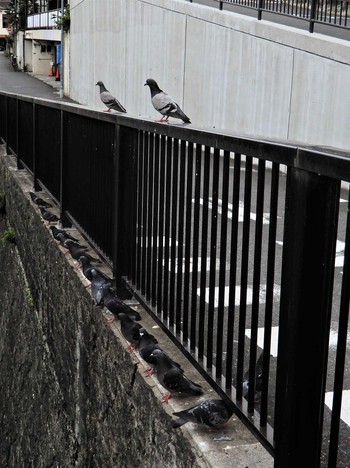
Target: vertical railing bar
(157,241)
(180,238)
(174,220)
(133,228)
(144,243)
(187,263)
(213,252)
(233,269)
(195,251)
(270,275)
(161,265)
(256,283)
(168,191)
(222,268)
(150,245)
(140,208)
(244,276)
(341,350)
(204,243)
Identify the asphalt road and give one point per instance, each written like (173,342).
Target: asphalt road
(17,82)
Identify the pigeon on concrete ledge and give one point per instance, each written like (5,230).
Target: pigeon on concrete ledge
(212,413)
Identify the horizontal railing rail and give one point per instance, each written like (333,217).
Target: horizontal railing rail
(237,246)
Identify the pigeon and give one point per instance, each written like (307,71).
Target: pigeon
(147,344)
(115,305)
(87,266)
(98,283)
(47,215)
(39,201)
(165,104)
(171,377)
(130,330)
(258,378)
(212,413)
(75,249)
(56,231)
(108,100)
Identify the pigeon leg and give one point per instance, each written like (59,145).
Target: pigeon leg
(149,371)
(111,320)
(107,110)
(166,398)
(131,347)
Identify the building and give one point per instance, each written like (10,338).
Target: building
(3,24)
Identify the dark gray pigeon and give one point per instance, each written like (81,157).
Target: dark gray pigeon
(258,378)
(75,249)
(212,413)
(87,266)
(48,216)
(165,104)
(108,100)
(39,201)
(55,231)
(171,377)
(130,330)
(115,305)
(147,344)
(98,283)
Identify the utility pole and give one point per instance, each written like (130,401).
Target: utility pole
(62,52)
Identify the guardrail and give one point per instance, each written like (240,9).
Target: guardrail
(301,13)
(231,244)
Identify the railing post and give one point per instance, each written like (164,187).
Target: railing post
(7,126)
(312,16)
(36,186)
(306,298)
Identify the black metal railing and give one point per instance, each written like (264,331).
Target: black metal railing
(232,244)
(304,13)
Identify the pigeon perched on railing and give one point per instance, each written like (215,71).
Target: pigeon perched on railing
(108,100)
(76,250)
(258,378)
(171,377)
(212,413)
(164,103)
(39,201)
(87,265)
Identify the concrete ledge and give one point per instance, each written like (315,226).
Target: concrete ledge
(72,394)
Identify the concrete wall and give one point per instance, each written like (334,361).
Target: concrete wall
(227,71)
(71,392)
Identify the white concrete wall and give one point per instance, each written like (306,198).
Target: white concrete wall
(227,71)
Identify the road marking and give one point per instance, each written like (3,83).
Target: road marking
(262,294)
(266,216)
(164,241)
(168,264)
(345,405)
(260,341)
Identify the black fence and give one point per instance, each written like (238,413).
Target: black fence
(239,249)
(301,13)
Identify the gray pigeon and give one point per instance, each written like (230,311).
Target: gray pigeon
(130,330)
(98,283)
(212,413)
(172,377)
(108,100)
(147,344)
(39,201)
(115,305)
(55,231)
(48,216)
(165,104)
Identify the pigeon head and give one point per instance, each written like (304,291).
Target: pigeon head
(99,83)
(153,86)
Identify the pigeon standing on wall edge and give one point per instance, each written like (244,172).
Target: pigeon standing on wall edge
(108,100)
(165,104)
